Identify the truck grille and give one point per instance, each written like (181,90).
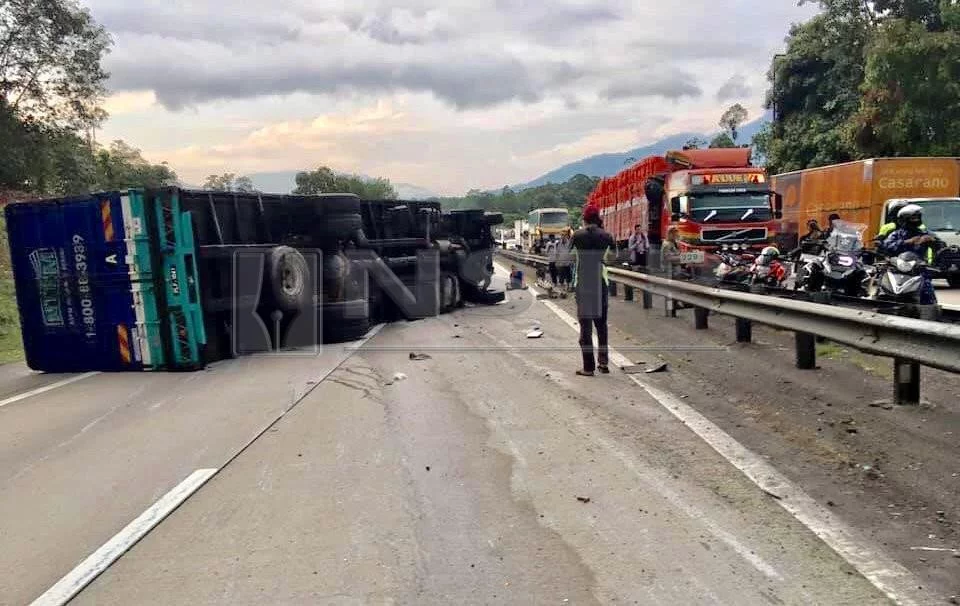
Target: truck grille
(754,234)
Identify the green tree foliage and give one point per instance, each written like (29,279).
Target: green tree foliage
(50,52)
(516,204)
(121,166)
(730,122)
(51,91)
(722,140)
(324,180)
(229,182)
(866,79)
(695,143)
(911,92)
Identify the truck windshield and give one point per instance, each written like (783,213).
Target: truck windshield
(942,215)
(554,219)
(706,208)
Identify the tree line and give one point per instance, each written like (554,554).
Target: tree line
(52,87)
(866,79)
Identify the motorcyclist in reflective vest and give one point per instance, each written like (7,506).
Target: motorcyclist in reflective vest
(912,236)
(891,220)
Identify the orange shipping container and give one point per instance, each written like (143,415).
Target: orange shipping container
(857,190)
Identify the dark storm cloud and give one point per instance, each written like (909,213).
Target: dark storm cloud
(734,88)
(482,82)
(654,85)
(555,17)
(195,23)
(471,54)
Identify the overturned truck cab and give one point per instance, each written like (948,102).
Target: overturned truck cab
(173,279)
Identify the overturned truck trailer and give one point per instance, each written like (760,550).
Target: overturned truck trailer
(174,279)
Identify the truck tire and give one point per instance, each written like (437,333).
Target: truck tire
(345,321)
(288,279)
(449,292)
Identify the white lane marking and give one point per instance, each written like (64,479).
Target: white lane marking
(76,580)
(46,388)
(85,572)
(672,497)
(887,575)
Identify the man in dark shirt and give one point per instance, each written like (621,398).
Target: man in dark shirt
(592,247)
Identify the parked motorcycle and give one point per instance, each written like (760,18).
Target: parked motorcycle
(734,269)
(839,265)
(767,269)
(900,280)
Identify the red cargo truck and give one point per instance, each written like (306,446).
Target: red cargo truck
(715,197)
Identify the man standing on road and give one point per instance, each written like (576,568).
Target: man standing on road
(592,247)
(637,246)
(565,261)
(552,259)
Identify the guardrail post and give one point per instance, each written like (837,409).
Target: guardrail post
(906,382)
(647,299)
(744,330)
(700,315)
(627,293)
(806,350)
(613,288)
(669,307)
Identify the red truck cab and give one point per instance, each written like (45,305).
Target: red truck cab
(715,197)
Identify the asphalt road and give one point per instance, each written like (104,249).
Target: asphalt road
(486,473)
(947,295)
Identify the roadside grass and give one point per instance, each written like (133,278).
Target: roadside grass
(877,366)
(11,343)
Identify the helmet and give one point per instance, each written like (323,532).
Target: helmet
(894,208)
(911,214)
(767,255)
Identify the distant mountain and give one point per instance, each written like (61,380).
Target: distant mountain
(605,165)
(279,182)
(405,191)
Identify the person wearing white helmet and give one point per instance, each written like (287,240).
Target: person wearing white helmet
(890,219)
(912,236)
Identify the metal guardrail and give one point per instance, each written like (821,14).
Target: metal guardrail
(910,342)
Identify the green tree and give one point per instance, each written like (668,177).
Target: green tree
(121,167)
(229,182)
(911,92)
(730,121)
(695,143)
(324,180)
(866,79)
(50,52)
(722,140)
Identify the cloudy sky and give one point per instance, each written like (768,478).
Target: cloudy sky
(445,95)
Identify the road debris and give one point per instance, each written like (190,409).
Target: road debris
(661,367)
(632,370)
(536,333)
(399,376)
(583,499)
(944,549)
(419,356)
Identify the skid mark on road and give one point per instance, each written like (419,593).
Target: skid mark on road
(46,388)
(887,575)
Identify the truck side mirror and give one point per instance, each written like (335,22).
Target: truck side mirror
(777,206)
(675,208)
